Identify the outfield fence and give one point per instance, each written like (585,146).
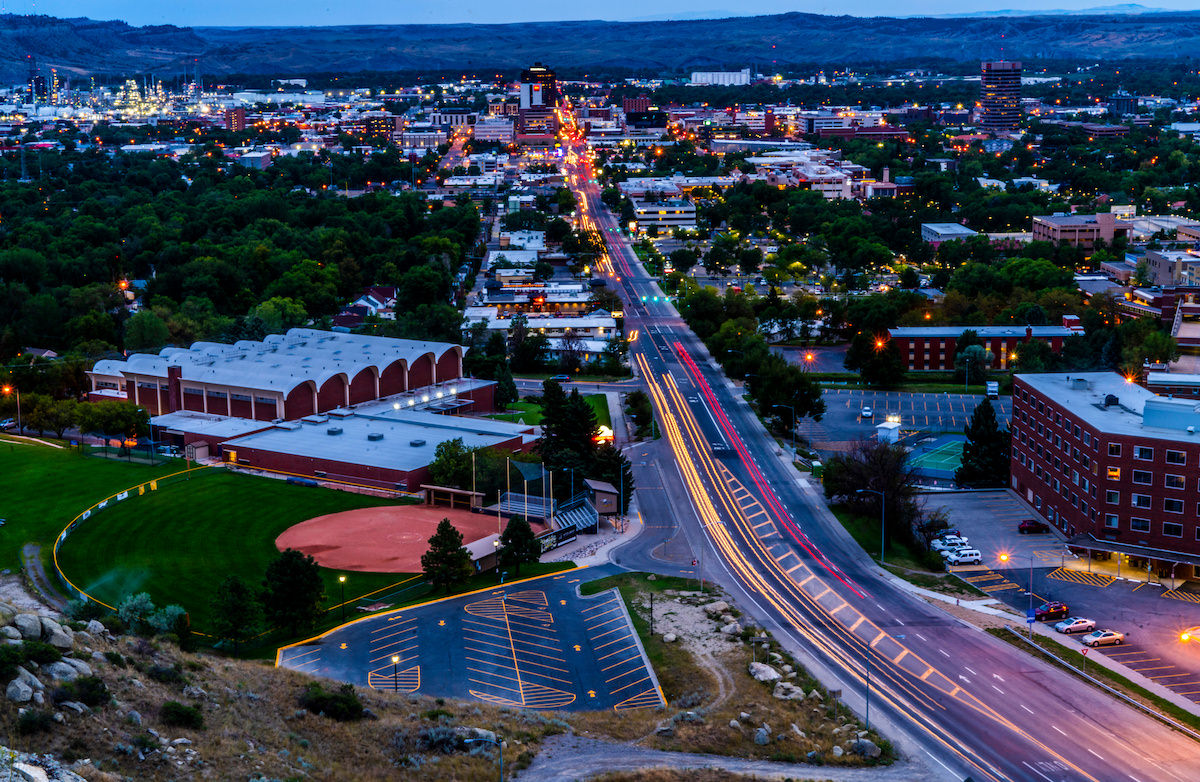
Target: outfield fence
(121,496)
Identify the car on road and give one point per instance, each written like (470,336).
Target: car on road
(1029,526)
(7,422)
(1075,624)
(867,412)
(964,556)
(1052,610)
(561,378)
(948,543)
(1103,638)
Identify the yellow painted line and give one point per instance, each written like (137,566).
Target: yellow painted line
(857,622)
(610,632)
(306,654)
(839,608)
(601,604)
(805,581)
(1154,668)
(879,637)
(896,660)
(402,631)
(627,686)
(394,618)
(827,591)
(610,654)
(927,673)
(794,568)
(637,657)
(609,611)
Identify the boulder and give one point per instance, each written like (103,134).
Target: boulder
(764,673)
(838,751)
(716,608)
(134,717)
(95,627)
(60,640)
(813,756)
(28,773)
(786,691)
(867,748)
(30,626)
(813,695)
(30,679)
(7,612)
(39,698)
(61,671)
(786,668)
(762,737)
(691,716)
(665,729)
(669,638)
(733,628)
(735,724)
(184,742)
(744,716)
(79,665)
(8,631)
(466,732)
(799,733)
(192,691)
(49,626)
(19,692)
(74,706)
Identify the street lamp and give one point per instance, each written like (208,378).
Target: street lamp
(7,390)
(395,673)
(792,408)
(1005,557)
(342,584)
(882,519)
(499,750)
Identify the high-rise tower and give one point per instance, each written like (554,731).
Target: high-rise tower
(1000,95)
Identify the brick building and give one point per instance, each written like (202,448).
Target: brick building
(1112,465)
(932,348)
(1080,230)
(286,376)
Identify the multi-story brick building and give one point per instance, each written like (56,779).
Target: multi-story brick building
(932,348)
(1080,230)
(1114,466)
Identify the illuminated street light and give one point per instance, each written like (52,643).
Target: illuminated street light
(342,583)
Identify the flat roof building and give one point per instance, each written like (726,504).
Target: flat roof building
(936,233)
(932,348)
(1080,230)
(1000,95)
(1112,465)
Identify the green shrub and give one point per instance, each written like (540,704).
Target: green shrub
(116,659)
(40,652)
(10,657)
(342,705)
(83,610)
(34,721)
(179,715)
(166,674)
(88,690)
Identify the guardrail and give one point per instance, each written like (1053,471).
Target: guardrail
(129,493)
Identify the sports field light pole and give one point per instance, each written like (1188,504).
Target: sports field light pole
(882,519)
(342,584)
(395,674)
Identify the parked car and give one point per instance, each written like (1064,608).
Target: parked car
(964,556)
(947,553)
(7,422)
(561,378)
(1051,610)
(1104,638)
(1075,624)
(867,412)
(948,543)
(1028,526)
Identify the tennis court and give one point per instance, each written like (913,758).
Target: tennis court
(938,457)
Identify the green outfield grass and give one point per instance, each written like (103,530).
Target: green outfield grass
(180,542)
(44,488)
(531,413)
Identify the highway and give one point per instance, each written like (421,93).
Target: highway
(967,704)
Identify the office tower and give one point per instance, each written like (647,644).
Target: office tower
(1000,95)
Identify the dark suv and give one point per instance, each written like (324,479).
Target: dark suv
(1054,610)
(1032,525)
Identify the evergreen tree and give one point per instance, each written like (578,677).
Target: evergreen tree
(877,360)
(613,467)
(518,544)
(446,563)
(293,591)
(237,612)
(506,388)
(986,453)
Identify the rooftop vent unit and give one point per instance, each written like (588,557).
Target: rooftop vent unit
(375,436)
(1110,400)
(416,443)
(333,430)
(1079,384)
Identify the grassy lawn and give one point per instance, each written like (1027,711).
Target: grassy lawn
(154,544)
(44,488)
(865,531)
(531,413)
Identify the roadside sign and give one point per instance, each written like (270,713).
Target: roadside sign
(1084,651)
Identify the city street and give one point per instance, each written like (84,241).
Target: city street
(974,706)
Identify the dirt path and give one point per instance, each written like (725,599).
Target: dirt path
(32,560)
(576,757)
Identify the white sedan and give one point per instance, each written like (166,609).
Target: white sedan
(1075,624)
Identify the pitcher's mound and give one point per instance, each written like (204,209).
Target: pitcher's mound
(380,540)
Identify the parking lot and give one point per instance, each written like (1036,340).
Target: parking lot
(843,422)
(1152,620)
(536,645)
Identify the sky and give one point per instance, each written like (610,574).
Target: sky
(339,12)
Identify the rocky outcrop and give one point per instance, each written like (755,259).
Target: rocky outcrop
(764,673)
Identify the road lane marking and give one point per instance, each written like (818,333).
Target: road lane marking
(1026,708)
(968,670)
(1094,752)
(1060,730)
(943,652)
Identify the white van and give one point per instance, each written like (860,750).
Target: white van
(966,556)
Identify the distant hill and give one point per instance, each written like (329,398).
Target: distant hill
(87,47)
